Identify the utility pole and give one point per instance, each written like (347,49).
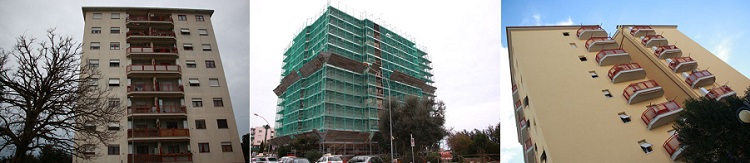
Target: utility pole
(412,148)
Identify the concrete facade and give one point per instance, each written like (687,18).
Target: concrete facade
(257,133)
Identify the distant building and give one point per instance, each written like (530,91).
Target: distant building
(257,133)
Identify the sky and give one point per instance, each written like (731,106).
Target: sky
(230,21)
(718,27)
(463,41)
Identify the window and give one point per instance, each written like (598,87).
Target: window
(182,17)
(97,15)
(187,46)
(184,31)
(200,124)
(214,82)
(114,46)
(210,64)
(206,47)
(194,82)
(566,33)
(218,102)
(113,149)
(203,148)
(197,102)
(573,45)
(115,15)
(222,123)
(203,32)
(114,102)
(115,30)
(114,63)
(582,58)
(190,64)
(526,101)
(94,63)
(593,74)
(199,18)
(645,146)
(94,45)
(89,127)
(606,93)
(113,126)
(96,30)
(115,82)
(226,146)
(624,117)
(88,149)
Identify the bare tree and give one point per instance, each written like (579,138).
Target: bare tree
(48,99)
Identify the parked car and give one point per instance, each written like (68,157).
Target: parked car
(296,160)
(330,159)
(283,159)
(265,160)
(365,159)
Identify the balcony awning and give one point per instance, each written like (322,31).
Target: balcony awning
(194,81)
(114,81)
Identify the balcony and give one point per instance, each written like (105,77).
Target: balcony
(157,34)
(167,157)
(518,105)
(165,88)
(158,133)
(148,19)
(610,57)
(669,51)
(700,78)
(682,64)
(586,32)
(674,147)
(654,40)
(157,110)
(639,31)
(151,51)
(626,72)
(523,123)
(721,92)
(642,91)
(600,43)
(154,69)
(661,114)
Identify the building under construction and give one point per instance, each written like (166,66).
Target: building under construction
(336,74)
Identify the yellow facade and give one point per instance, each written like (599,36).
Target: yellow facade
(569,117)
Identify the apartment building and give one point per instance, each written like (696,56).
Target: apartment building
(164,65)
(257,134)
(583,94)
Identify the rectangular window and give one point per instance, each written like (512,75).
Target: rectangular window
(88,149)
(113,126)
(624,117)
(226,146)
(573,45)
(645,146)
(114,82)
(203,32)
(114,30)
(222,123)
(93,63)
(96,30)
(203,148)
(190,64)
(115,15)
(194,82)
(97,15)
(89,127)
(114,46)
(206,47)
(199,18)
(113,149)
(187,46)
(582,58)
(200,124)
(95,45)
(114,102)
(210,64)
(197,102)
(214,82)
(114,63)
(593,74)
(607,93)
(566,33)
(184,31)
(182,17)
(218,102)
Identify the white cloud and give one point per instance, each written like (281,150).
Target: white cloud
(723,49)
(566,22)
(537,19)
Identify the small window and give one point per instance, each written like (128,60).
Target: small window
(114,63)
(187,46)
(97,15)
(593,74)
(226,146)
(566,33)
(573,45)
(200,124)
(113,149)
(203,32)
(526,101)
(190,64)
(210,64)
(89,127)
(218,102)
(114,102)
(199,18)
(206,47)
(645,146)
(222,123)
(113,126)
(624,117)
(95,46)
(607,93)
(184,31)
(114,46)
(582,58)
(197,102)
(115,82)
(194,82)
(89,149)
(214,82)
(115,15)
(96,30)
(114,30)
(182,17)
(94,63)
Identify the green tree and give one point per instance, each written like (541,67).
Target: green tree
(421,118)
(246,146)
(710,131)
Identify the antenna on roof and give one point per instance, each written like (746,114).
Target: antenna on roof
(675,97)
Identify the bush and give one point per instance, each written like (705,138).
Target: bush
(313,155)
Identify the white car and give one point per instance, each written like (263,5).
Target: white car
(265,160)
(330,159)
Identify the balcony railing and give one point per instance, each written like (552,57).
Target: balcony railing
(155,88)
(700,78)
(669,51)
(642,91)
(654,40)
(135,18)
(682,64)
(673,147)
(515,89)
(517,105)
(152,50)
(639,31)
(661,114)
(586,32)
(721,92)
(166,157)
(154,68)
(522,124)
(600,43)
(626,72)
(148,109)
(527,145)
(156,33)
(610,57)
(153,132)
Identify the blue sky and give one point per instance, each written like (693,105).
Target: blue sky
(719,27)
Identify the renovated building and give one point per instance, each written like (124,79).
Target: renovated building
(164,65)
(585,95)
(336,75)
